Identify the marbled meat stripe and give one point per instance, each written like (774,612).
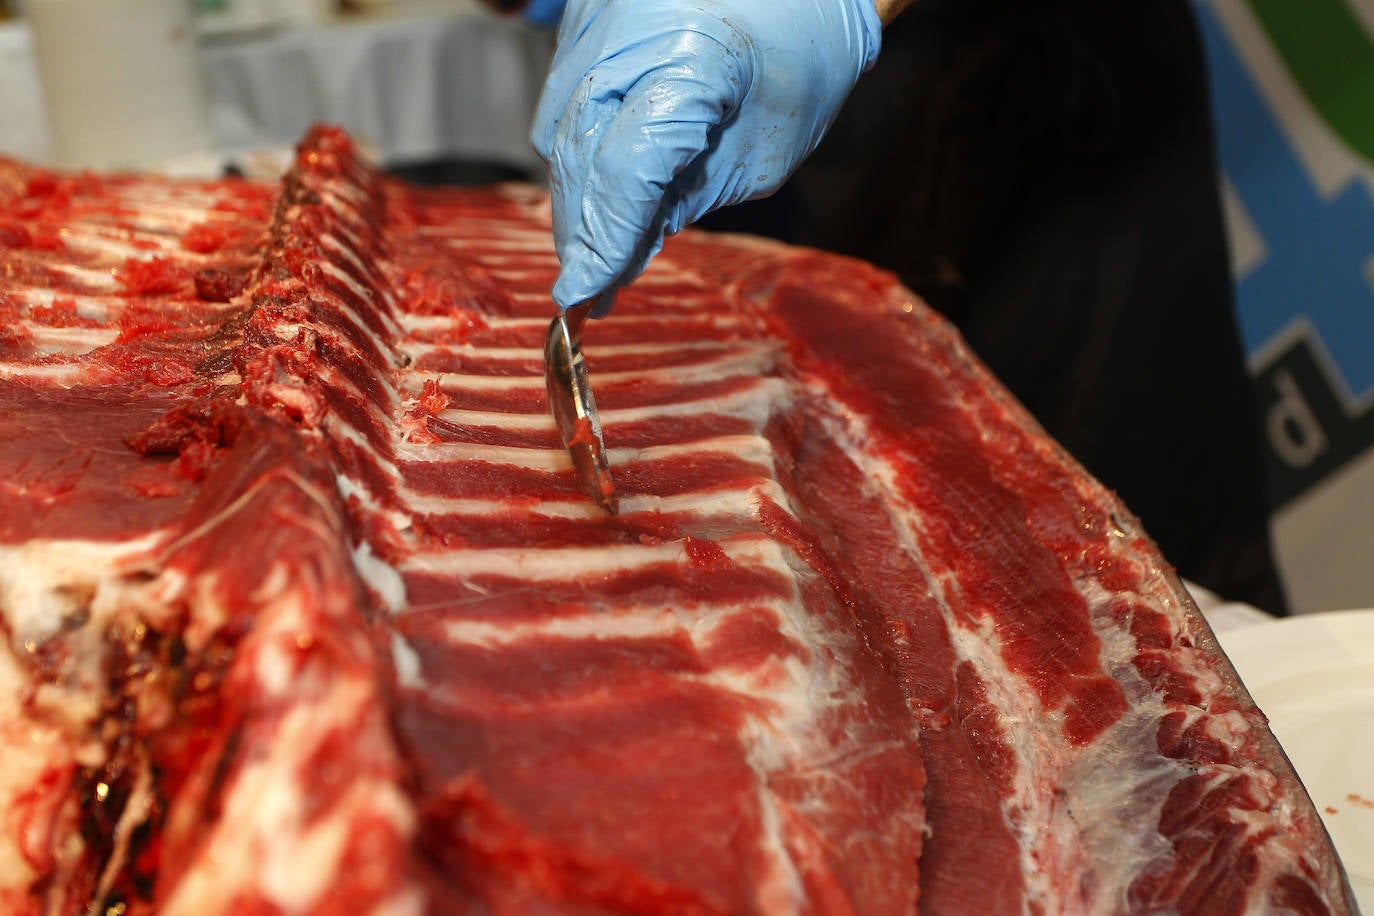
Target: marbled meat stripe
(1075,652)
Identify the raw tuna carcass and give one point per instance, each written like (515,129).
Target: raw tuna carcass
(306,614)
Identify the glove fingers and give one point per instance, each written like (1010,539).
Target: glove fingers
(590,111)
(616,163)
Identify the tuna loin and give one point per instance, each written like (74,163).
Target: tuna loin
(306,611)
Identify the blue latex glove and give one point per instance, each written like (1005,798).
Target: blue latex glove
(546,13)
(657,112)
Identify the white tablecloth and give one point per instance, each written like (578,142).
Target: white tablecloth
(427,85)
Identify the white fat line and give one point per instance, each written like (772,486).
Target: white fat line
(561,564)
(412,323)
(368,502)
(339,240)
(477,236)
(550,460)
(540,419)
(376,573)
(68,375)
(92,308)
(149,197)
(48,340)
(166,246)
(540,258)
(336,426)
(656,278)
(666,271)
(756,404)
(348,230)
(537,298)
(406,661)
(697,622)
(386,583)
(752,449)
(172,210)
(366,293)
(413,381)
(339,195)
(724,368)
(99,308)
(520,262)
(710,507)
(164,196)
(726,321)
(685,304)
(166,233)
(343,239)
(492,233)
(100,278)
(368,296)
(515,275)
(170,221)
(77,239)
(680,304)
(417,349)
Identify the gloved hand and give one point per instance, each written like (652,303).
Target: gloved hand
(657,112)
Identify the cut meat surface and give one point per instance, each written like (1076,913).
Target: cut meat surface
(305,611)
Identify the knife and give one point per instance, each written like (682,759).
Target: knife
(574,408)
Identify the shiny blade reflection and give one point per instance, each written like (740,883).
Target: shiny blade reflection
(574,408)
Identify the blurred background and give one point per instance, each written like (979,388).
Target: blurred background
(443,90)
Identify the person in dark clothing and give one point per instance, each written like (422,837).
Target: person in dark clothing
(1044,175)
(1041,173)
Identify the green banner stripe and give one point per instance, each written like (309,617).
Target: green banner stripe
(1331,56)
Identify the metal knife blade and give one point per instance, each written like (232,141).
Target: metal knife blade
(574,408)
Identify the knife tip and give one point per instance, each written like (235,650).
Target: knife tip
(605,493)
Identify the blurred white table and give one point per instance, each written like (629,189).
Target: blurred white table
(23,132)
(1313,677)
(1223,615)
(417,82)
